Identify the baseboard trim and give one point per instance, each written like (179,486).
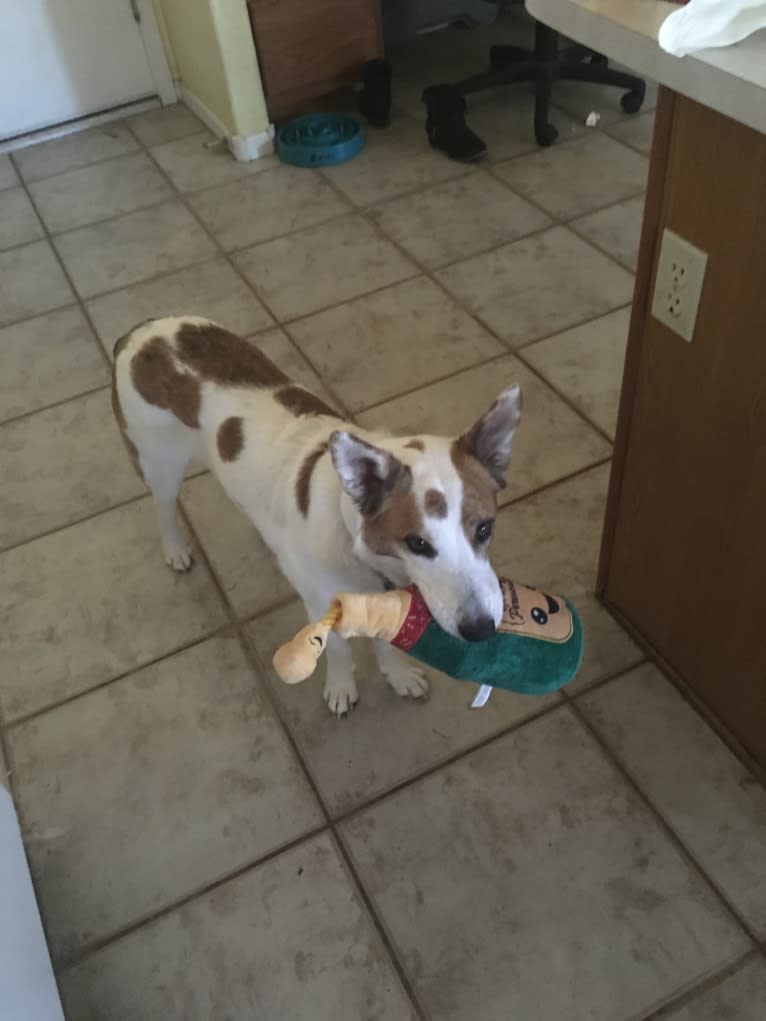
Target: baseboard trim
(243,147)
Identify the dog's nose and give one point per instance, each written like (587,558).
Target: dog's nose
(477,630)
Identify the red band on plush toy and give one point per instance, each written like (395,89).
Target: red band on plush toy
(417,620)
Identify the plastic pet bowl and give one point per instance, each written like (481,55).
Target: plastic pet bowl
(320,140)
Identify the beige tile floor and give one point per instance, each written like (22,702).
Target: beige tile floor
(206,843)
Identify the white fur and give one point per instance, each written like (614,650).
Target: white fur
(324,553)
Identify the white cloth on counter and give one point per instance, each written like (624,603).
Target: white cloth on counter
(709,23)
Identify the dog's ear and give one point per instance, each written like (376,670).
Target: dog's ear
(490,439)
(368,474)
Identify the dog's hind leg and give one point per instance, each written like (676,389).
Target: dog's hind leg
(163,467)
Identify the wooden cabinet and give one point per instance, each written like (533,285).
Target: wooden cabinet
(309,47)
(684,554)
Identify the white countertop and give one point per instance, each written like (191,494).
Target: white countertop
(731,80)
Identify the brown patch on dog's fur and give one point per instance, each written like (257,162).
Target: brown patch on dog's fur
(435,504)
(230,438)
(119,415)
(303,482)
(159,382)
(479,492)
(415,445)
(302,402)
(223,357)
(399,518)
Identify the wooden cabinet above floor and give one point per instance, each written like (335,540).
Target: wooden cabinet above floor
(309,47)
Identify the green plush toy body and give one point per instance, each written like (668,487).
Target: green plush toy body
(536,649)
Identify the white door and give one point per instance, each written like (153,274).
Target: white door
(64,59)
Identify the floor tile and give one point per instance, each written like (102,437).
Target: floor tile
(393,161)
(585,364)
(404,337)
(110,255)
(504,119)
(298,917)
(322,266)
(265,206)
(576,178)
(552,440)
(277,346)
(186,753)
(246,567)
(192,163)
(47,359)
(553,540)
(8,176)
(31,281)
(18,220)
(711,800)
(76,150)
(635,131)
(99,191)
(460,218)
(354,762)
(617,230)
(211,289)
(539,285)
(578,99)
(165,125)
(742,997)
(91,602)
(60,465)
(531,843)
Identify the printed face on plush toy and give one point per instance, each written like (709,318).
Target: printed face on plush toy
(424,511)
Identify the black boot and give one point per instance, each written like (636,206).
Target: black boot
(446,127)
(375,97)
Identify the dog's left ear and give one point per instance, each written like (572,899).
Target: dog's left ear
(490,439)
(368,474)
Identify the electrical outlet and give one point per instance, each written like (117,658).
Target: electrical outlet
(678,284)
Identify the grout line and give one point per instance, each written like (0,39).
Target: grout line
(65,231)
(55,404)
(82,166)
(76,957)
(602,682)
(710,982)
(555,482)
(613,756)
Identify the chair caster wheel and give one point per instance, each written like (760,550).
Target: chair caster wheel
(546,135)
(631,101)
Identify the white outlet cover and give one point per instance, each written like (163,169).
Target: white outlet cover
(678,284)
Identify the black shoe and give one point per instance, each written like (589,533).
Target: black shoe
(446,127)
(375,97)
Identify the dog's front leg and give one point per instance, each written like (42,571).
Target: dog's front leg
(400,670)
(340,692)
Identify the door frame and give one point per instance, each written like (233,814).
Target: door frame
(154,46)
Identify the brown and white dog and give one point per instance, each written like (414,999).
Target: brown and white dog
(342,510)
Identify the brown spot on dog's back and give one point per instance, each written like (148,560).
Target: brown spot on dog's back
(435,504)
(160,383)
(303,481)
(399,518)
(301,401)
(223,357)
(230,438)
(479,491)
(415,444)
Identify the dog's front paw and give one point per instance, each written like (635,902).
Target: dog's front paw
(178,555)
(408,681)
(341,696)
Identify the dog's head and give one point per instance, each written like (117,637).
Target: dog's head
(424,511)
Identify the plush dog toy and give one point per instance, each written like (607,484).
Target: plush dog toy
(536,649)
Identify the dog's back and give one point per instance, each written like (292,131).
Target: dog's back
(186,388)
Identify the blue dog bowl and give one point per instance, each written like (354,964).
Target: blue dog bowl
(320,140)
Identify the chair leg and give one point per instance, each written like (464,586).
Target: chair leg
(546,59)
(598,74)
(503,56)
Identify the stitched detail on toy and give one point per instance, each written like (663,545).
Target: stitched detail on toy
(534,614)
(417,620)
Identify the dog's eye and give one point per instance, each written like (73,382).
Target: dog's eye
(484,531)
(419,546)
